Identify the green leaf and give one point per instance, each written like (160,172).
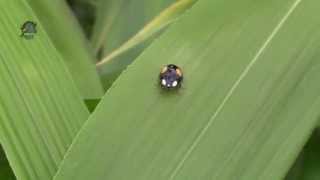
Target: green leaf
(90,2)
(41,109)
(68,39)
(165,18)
(296,170)
(307,166)
(249,101)
(5,170)
(117,22)
(84,11)
(92,104)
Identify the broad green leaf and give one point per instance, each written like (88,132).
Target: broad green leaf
(41,109)
(118,21)
(307,166)
(5,170)
(295,171)
(249,101)
(68,39)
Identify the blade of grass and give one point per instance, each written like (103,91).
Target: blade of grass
(41,109)
(107,13)
(123,54)
(67,37)
(161,21)
(249,101)
(118,20)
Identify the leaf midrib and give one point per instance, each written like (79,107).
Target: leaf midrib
(234,87)
(220,107)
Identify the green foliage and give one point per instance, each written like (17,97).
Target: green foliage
(121,19)
(70,43)
(92,104)
(41,109)
(307,165)
(248,104)
(5,170)
(140,40)
(117,21)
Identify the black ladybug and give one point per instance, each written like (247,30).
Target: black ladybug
(28,29)
(171,77)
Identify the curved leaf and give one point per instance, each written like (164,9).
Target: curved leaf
(67,37)
(165,18)
(41,109)
(249,101)
(118,21)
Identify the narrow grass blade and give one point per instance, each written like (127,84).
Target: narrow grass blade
(41,109)
(117,22)
(165,18)
(67,37)
(249,101)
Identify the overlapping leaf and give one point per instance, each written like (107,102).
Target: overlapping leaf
(5,170)
(117,21)
(67,37)
(41,109)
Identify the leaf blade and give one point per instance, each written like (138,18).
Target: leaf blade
(158,128)
(165,18)
(117,21)
(5,169)
(68,38)
(41,108)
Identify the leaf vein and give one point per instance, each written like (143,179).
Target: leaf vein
(234,87)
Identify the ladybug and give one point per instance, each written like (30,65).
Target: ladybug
(171,77)
(28,29)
